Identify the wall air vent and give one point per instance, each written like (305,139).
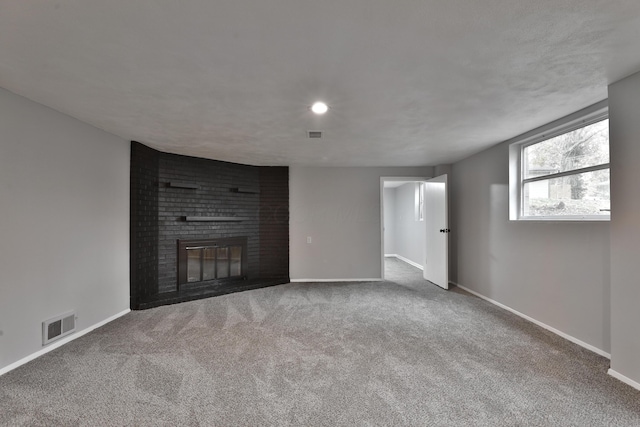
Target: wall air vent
(314,134)
(57,327)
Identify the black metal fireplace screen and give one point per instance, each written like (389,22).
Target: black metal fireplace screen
(211,260)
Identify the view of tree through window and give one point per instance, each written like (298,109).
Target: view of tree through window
(568,175)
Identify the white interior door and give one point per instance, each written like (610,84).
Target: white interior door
(436,263)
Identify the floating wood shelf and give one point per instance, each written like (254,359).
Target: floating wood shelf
(216,218)
(186,185)
(243,190)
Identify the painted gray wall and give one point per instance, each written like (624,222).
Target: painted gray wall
(389,220)
(624,123)
(410,233)
(64,187)
(555,272)
(340,209)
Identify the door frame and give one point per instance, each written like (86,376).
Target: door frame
(384,179)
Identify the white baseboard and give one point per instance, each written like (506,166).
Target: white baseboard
(407,260)
(334,280)
(624,379)
(60,343)
(391,255)
(537,322)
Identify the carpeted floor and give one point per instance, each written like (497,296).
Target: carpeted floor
(400,352)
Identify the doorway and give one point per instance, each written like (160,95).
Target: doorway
(414,225)
(402,226)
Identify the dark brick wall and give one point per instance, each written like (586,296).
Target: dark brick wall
(212,198)
(274,222)
(263,202)
(144,223)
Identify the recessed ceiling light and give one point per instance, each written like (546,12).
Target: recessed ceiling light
(319,107)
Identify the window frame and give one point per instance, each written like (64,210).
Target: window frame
(580,119)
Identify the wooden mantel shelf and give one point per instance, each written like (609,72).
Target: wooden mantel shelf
(243,190)
(185,185)
(216,218)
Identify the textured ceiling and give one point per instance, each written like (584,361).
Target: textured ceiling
(409,82)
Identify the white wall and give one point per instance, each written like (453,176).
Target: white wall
(389,220)
(410,233)
(555,272)
(339,208)
(64,189)
(624,123)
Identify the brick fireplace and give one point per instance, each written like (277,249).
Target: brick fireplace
(235,219)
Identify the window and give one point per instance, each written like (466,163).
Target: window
(563,173)
(419,201)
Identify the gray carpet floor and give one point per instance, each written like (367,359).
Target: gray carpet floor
(393,353)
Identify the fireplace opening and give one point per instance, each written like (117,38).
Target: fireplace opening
(210,261)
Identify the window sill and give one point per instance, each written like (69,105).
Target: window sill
(564,219)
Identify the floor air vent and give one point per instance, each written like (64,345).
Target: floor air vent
(315,134)
(58,327)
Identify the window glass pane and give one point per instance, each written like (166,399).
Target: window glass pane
(236,261)
(580,194)
(584,147)
(208,264)
(223,263)
(193,265)
(421,205)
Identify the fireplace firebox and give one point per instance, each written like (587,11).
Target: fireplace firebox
(211,261)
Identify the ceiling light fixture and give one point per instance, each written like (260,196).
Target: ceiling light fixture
(319,107)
